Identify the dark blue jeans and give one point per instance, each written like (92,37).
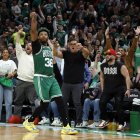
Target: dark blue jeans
(52,107)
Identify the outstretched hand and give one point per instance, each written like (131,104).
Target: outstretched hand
(33,15)
(20,31)
(55,43)
(137,30)
(127,93)
(50,43)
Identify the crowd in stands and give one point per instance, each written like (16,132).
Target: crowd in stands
(98,26)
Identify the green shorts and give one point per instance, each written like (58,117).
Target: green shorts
(47,88)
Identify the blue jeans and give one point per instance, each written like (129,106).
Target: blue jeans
(91,104)
(55,109)
(52,106)
(7,94)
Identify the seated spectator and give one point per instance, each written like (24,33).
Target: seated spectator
(91,101)
(87,76)
(56,117)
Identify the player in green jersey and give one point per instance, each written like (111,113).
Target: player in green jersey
(45,83)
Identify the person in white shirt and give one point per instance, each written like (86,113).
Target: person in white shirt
(25,73)
(7,72)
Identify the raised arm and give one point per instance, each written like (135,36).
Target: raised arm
(108,41)
(56,52)
(19,49)
(33,30)
(85,51)
(41,14)
(134,43)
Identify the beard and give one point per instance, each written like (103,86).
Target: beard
(109,60)
(43,42)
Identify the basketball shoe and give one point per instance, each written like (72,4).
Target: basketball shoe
(67,130)
(30,126)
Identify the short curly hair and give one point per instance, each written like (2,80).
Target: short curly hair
(43,29)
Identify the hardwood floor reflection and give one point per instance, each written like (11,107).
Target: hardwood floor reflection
(17,132)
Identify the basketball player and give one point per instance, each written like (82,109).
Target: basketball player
(46,85)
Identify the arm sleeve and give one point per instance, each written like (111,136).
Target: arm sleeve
(36,46)
(87,74)
(13,66)
(19,49)
(132,48)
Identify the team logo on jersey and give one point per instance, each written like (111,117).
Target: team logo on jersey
(112,71)
(47,53)
(48,56)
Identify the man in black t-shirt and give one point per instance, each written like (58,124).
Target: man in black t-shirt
(74,63)
(115,82)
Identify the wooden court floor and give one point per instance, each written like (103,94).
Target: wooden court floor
(17,132)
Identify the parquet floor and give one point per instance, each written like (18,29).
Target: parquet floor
(17,132)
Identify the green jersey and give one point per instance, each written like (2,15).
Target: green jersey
(137,58)
(43,61)
(60,36)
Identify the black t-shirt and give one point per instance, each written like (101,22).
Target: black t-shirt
(73,67)
(114,81)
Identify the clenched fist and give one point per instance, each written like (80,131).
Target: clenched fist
(33,15)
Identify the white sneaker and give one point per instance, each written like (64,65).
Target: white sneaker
(103,124)
(136,103)
(120,127)
(82,125)
(44,121)
(136,100)
(93,125)
(56,122)
(78,125)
